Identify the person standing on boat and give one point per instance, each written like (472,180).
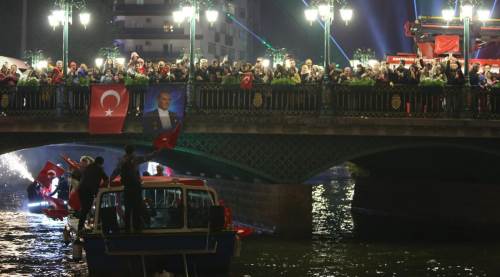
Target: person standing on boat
(91,179)
(128,170)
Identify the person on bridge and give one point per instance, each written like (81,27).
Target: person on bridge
(159,170)
(91,179)
(128,169)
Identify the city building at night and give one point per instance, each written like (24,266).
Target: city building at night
(148,27)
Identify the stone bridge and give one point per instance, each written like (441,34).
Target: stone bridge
(286,135)
(280,134)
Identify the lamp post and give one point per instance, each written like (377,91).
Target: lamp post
(190,12)
(324,9)
(466,15)
(63,15)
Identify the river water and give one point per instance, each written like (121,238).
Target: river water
(30,245)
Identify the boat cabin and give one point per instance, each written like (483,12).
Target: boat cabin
(169,204)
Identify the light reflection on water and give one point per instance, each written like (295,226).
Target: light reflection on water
(30,245)
(334,252)
(331,209)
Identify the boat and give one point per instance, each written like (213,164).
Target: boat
(186,231)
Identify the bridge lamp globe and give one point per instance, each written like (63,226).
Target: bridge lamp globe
(467,11)
(483,15)
(311,15)
(448,14)
(212,16)
(188,12)
(59,16)
(53,22)
(325,12)
(99,62)
(178,17)
(346,15)
(85,19)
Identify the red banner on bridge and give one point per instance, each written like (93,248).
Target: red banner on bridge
(447,44)
(109,106)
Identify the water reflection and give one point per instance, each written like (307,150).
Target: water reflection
(331,208)
(31,245)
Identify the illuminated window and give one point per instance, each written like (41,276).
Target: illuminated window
(168,27)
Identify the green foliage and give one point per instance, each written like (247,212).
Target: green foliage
(137,80)
(432,83)
(230,80)
(84,81)
(28,82)
(366,82)
(283,81)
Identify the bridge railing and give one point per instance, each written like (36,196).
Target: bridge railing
(44,100)
(396,101)
(484,103)
(339,100)
(260,99)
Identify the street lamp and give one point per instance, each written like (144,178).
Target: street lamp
(63,16)
(191,12)
(466,15)
(324,9)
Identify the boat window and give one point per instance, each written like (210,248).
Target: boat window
(198,207)
(112,212)
(163,208)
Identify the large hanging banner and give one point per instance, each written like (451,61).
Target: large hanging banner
(164,109)
(109,106)
(447,44)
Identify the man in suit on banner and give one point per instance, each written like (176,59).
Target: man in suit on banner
(161,120)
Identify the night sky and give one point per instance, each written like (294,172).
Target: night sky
(377,24)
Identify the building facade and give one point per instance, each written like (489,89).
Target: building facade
(147,27)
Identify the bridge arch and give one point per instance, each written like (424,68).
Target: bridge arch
(285,159)
(360,158)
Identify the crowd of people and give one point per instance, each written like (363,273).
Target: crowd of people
(448,72)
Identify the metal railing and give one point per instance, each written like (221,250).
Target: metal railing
(44,100)
(261,99)
(338,100)
(397,101)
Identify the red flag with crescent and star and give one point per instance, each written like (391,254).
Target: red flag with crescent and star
(49,171)
(108,109)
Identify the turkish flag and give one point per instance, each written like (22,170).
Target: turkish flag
(447,44)
(167,140)
(108,109)
(247,81)
(72,164)
(49,169)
